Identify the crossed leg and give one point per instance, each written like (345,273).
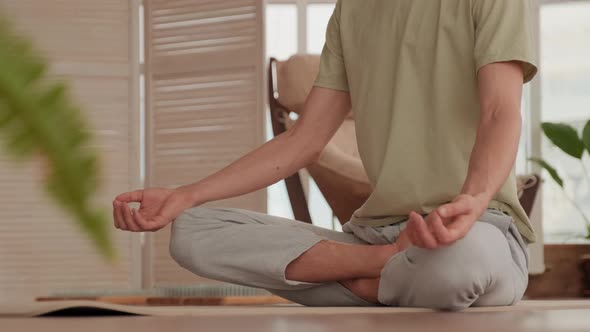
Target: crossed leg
(312,265)
(258,250)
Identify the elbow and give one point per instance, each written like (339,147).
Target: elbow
(307,148)
(506,121)
(311,152)
(497,113)
(314,155)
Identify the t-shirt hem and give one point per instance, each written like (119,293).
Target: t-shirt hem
(528,66)
(523,227)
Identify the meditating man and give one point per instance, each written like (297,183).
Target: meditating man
(435,88)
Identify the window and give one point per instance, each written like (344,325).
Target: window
(565,97)
(281,30)
(318,16)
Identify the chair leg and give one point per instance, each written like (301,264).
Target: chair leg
(297,198)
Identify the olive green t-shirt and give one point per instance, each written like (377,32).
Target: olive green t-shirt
(411,69)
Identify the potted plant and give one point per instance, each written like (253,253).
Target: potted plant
(567,139)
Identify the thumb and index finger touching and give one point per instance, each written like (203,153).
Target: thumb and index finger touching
(456,216)
(454,208)
(132,196)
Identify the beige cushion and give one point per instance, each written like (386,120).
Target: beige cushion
(295,79)
(341,154)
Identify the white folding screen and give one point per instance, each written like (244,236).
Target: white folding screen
(92,45)
(204,88)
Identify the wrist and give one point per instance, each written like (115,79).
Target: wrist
(482,200)
(481,195)
(190,195)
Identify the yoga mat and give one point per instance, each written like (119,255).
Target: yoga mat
(174,301)
(85,308)
(125,301)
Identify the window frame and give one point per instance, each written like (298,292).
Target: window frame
(301,6)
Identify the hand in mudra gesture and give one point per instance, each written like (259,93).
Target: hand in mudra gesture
(157,208)
(446,224)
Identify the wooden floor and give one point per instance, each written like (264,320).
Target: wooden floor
(283,321)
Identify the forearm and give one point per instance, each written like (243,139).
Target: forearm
(493,154)
(281,157)
(270,163)
(498,132)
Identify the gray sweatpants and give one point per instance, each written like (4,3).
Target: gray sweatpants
(488,267)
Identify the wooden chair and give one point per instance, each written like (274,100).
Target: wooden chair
(339,173)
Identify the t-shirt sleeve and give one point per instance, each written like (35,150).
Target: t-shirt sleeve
(332,72)
(503,32)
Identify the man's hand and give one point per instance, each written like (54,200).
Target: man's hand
(447,224)
(158,207)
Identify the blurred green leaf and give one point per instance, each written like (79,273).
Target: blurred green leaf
(549,169)
(586,136)
(564,137)
(37,117)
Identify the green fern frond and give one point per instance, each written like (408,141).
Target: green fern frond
(37,117)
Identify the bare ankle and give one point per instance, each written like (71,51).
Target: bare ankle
(386,252)
(331,261)
(366,289)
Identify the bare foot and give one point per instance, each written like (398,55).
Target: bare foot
(366,289)
(388,250)
(403,241)
(385,252)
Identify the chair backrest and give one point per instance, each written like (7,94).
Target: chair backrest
(528,187)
